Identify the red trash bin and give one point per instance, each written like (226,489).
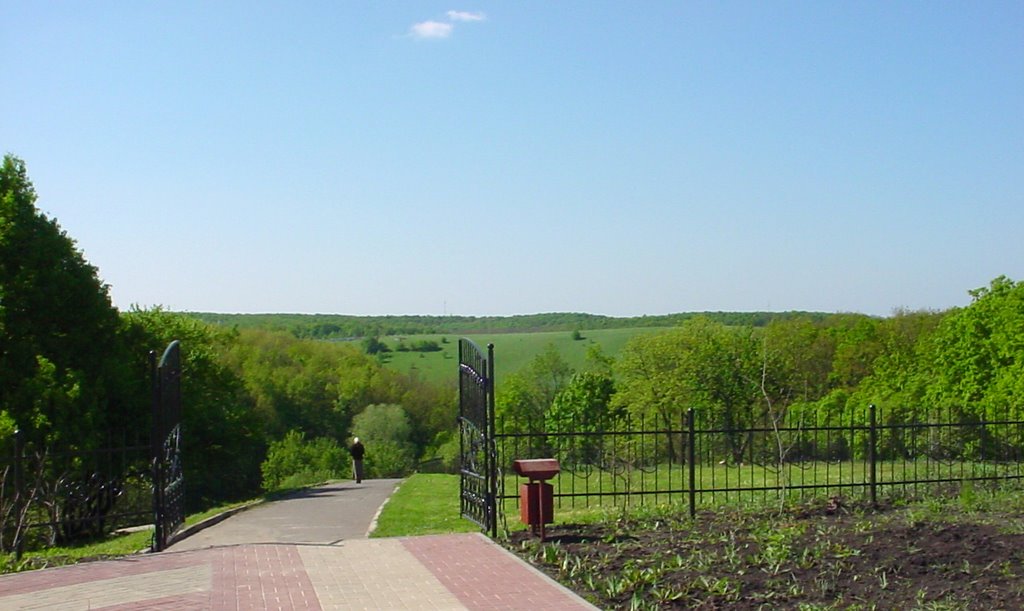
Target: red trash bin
(536,502)
(536,499)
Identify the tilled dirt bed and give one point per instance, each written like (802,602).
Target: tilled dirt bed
(828,557)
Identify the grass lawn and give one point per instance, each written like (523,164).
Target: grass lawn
(428,504)
(425,504)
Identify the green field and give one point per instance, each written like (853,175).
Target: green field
(512,351)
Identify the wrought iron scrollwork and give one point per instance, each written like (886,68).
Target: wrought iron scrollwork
(476,435)
(84,506)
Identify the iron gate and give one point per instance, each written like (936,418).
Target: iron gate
(168,478)
(477,489)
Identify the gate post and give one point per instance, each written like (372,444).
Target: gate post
(691,459)
(156,442)
(492,454)
(873,455)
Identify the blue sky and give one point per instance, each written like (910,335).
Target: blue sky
(522,157)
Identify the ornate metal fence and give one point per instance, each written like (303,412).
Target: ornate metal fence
(50,497)
(168,477)
(693,459)
(477,489)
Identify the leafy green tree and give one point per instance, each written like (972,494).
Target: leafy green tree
(977,353)
(518,408)
(224,437)
(373,345)
(425,345)
(61,360)
(583,406)
(385,430)
(858,345)
(702,364)
(432,408)
(524,398)
(599,362)
(548,373)
(800,353)
(650,375)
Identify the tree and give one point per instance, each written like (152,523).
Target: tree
(61,360)
(976,355)
(385,431)
(801,353)
(224,437)
(702,364)
(525,396)
(548,373)
(583,406)
(373,345)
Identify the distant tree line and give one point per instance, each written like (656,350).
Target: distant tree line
(342,327)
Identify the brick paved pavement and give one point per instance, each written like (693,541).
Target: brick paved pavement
(461,571)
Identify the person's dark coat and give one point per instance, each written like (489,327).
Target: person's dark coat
(357,450)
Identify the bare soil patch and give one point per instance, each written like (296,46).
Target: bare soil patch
(824,556)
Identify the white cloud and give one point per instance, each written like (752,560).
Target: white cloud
(443,29)
(431,29)
(465,16)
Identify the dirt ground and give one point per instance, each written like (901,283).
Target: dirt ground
(828,556)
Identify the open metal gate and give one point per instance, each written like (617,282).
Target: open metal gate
(168,478)
(476,434)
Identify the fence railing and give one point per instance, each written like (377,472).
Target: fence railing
(706,459)
(49,497)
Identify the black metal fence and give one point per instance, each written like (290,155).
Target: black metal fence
(49,498)
(706,459)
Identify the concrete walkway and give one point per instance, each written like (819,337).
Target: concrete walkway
(324,515)
(309,551)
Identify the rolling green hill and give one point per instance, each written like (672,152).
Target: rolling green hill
(512,351)
(517,339)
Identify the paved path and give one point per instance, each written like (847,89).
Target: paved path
(327,515)
(326,563)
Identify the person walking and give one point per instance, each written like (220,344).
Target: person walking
(357,450)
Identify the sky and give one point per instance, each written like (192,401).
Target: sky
(485,158)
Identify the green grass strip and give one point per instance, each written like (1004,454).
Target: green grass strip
(425,504)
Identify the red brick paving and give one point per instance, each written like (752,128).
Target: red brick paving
(480,574)
(484,576)
(261,577)
(86,572)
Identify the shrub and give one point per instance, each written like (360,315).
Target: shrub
(386,432)
(389,459)
(294,462)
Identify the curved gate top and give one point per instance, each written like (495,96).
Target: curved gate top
(478,486)
(168,476)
